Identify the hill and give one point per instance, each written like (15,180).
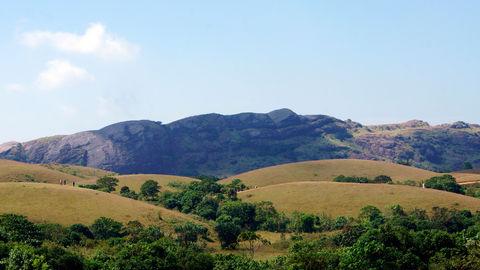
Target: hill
(135,181)
(347,199)
(13,171)
(327,170)
(79,171)
(224,145)
(68,205)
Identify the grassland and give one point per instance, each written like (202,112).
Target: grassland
(347,199)
(79,171)
(135,181)
(12,171)
(327,170)
(68,205)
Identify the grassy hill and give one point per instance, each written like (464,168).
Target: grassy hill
(68,205)
(327,170)
(135,181)
(12,171)
(347,199)
(79,171)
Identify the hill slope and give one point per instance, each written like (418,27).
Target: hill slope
(327,170)
(12,171)
(224,145)
(347,199)
(67,205)
(135,181)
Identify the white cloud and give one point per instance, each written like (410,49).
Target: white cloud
(95,41)
(15,87)
(60,73)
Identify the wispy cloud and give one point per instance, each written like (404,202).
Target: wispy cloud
(95,41)
(60,73)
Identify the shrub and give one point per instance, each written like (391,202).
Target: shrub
(350,179)
(17,228)
(107,183)
(382,179)
(104,228)
(126,192)
(445,182)
(189,232)
(150,189)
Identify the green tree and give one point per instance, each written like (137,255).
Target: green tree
(17,228)
(189,232)
(371,216)
(242,211)
(303,222)
(253,240)
(382,179)
(445,182)
(22,257)
(228,230)
(150,190)
(104,228)
(107,183)
(126,192)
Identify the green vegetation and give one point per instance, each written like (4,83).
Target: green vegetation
(444,182)
(149,190)
(381,179)
(396,239)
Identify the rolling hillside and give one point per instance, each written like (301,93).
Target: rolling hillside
(135,181)
(327,170)
(79,171)
(13,171)
(68,205)
(347,199)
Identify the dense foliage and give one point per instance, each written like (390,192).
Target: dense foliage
(397,239)
(445,182)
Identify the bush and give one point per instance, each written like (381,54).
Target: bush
(17,228)
(189,232)
(149,190)
(228,230)
(445,182)
(382,179)
(104,228)
(107,183)
(350,179)
(127,193)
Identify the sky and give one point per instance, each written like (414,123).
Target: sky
(67,68)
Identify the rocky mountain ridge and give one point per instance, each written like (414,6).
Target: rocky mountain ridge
(222,145)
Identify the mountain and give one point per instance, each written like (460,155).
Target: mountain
(223,145)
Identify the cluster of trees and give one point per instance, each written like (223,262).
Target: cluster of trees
(234,217)
(148,191)
(445,182)
(381,179)
(445,239)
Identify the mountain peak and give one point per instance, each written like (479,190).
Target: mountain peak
(281,114)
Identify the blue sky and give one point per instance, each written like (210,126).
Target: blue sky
(72,67)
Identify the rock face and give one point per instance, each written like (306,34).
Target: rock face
(222,145)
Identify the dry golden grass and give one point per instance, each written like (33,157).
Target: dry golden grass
(79,171)
(466,178)
(13,171)
(327,170)
(135,181)
(347,199)
(68,205)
